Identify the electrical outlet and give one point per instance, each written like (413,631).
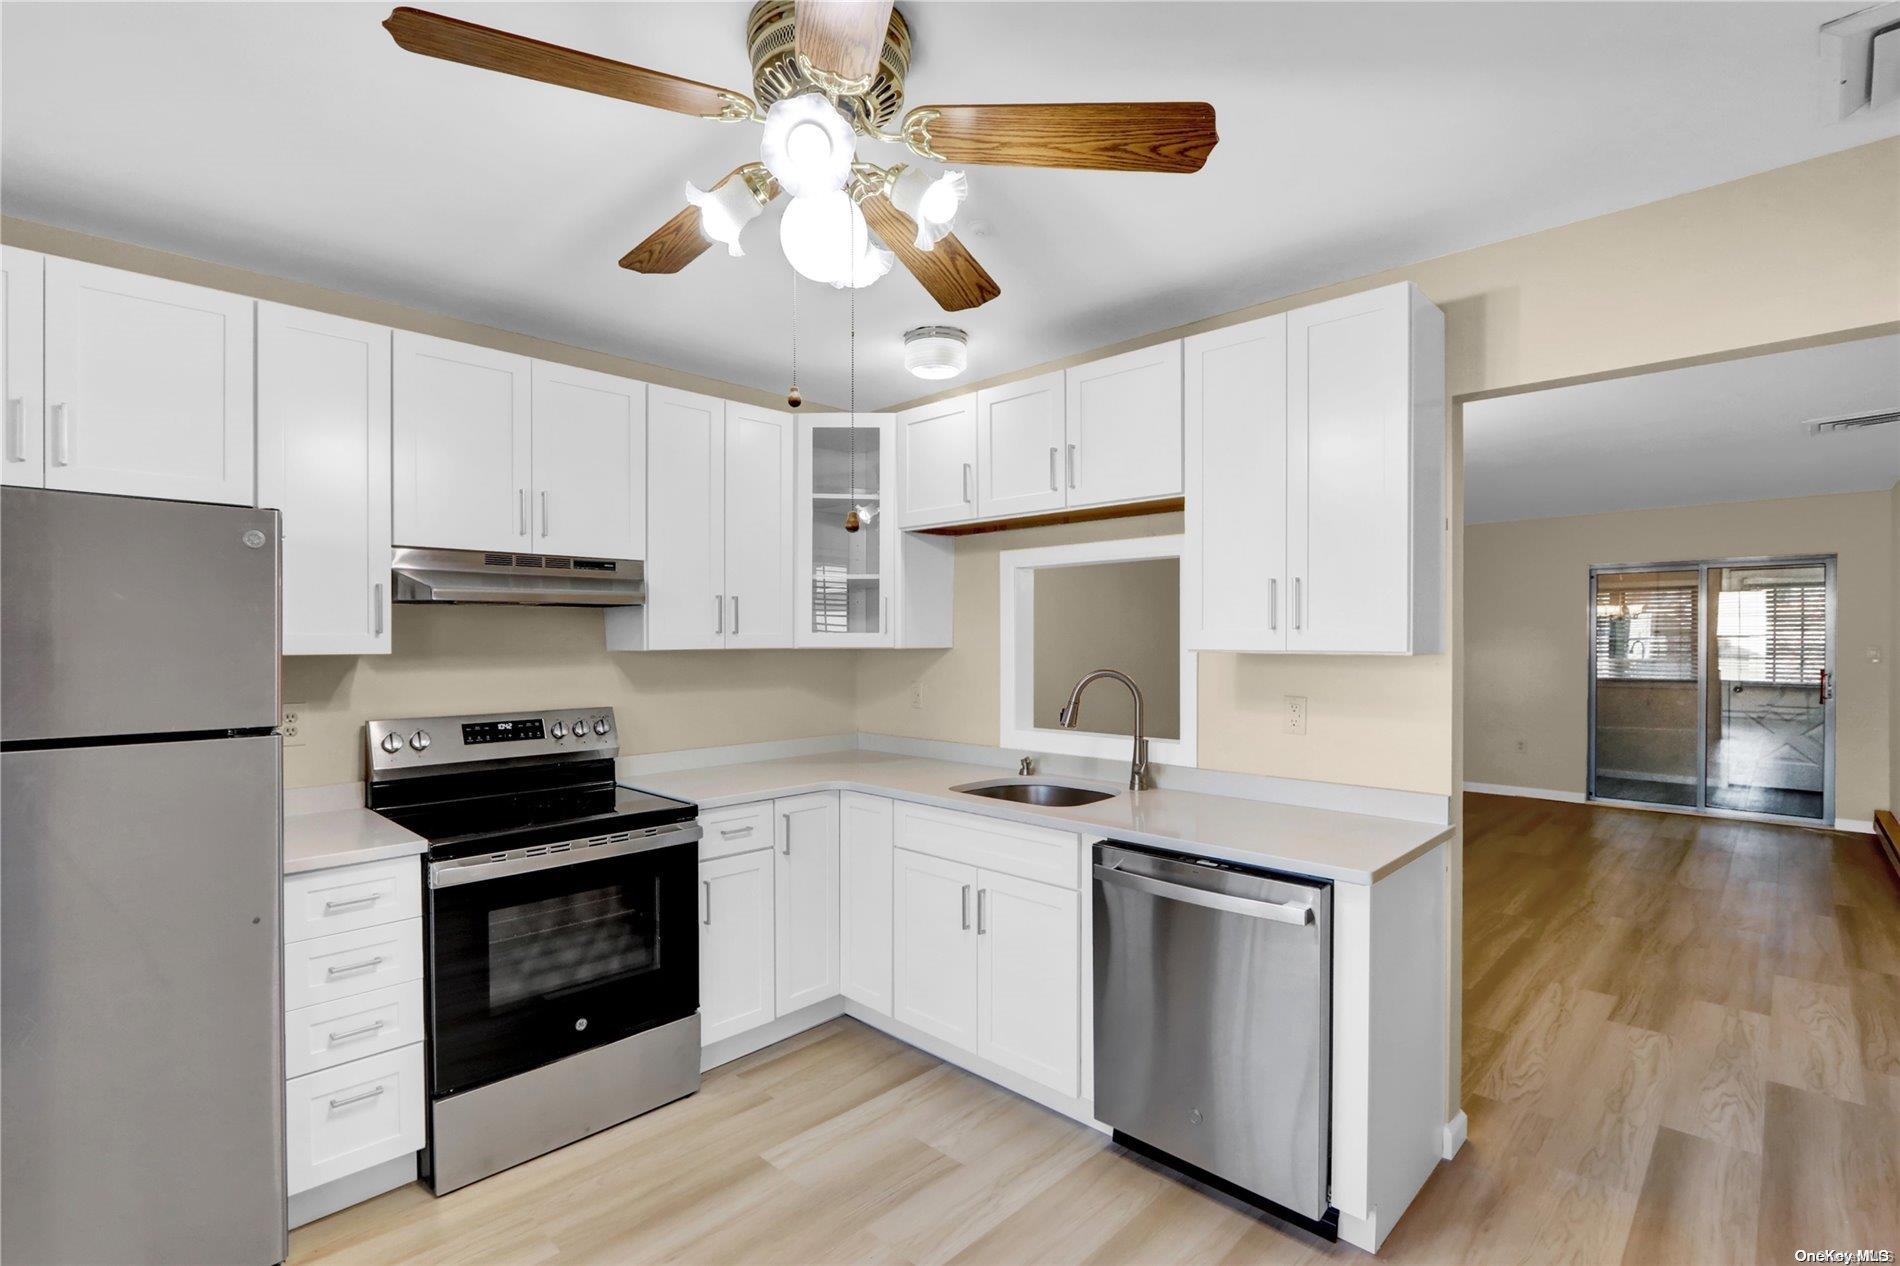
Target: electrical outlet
(917,693)
(1296,714)
(292,727)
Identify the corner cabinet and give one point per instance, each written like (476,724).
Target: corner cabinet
(805,899)
(1315,467)
(323,461)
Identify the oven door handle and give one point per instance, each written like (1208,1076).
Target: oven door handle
(470,870)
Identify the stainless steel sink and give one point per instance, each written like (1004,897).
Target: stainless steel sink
(1048,794)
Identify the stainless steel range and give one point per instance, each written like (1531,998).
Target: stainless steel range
(563,958)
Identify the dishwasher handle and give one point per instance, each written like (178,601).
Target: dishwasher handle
(1274,911)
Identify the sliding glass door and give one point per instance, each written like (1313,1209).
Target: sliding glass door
(1711,686)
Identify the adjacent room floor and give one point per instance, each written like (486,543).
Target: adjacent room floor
(1681,1043)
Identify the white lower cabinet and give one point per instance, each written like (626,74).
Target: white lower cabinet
(343,1029)
(864,899)
(1028,979)
(353,1116)
(737,986)
(934,943)
(805,899)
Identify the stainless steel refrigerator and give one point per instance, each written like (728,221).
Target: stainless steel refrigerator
(141,842)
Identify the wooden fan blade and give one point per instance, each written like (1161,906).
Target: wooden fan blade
(843,38)
(947,270)
(1168,136)
(453,40)
(680,240)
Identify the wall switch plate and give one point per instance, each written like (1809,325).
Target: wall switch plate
(917,694)
(1296,714)
(292,726)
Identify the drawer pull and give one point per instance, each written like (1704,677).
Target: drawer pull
(348,903)
(734,832)
(365,965)
(345,1102)
(374,1026)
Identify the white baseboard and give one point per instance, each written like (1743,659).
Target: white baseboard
(1455,1134)
(321,1202)
(740,1045)
(1529,793)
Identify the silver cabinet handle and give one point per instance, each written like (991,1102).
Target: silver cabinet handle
(521,510)
(61,446)
(374,1026)
(788,833)
(719,614)
(351,902)
(362,1098)
(734,832)
(707,885)
(1272,911)
(16,430)
(967,498)
(735,615)
(1273,603)
(981,925)
(1071,465)
(1053,485)
(376,605)
(365,965)
(1299,607)
(966,907)
(544,512)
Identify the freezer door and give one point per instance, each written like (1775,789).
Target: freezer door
(140,950)
(125,616)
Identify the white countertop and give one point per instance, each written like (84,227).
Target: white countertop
(344,837)
(1344,847)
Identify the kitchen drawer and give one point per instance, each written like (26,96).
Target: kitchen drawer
(320,902)
(1031,852)
(343,1029)
(353,1116)
(350,963)
(737,828)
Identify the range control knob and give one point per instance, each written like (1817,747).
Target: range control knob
(420,740)
(558,730)
(392,742)
(580,726)
(600,726)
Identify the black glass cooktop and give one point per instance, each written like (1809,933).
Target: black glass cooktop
(520,819)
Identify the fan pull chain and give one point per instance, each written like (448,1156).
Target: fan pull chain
(852,520)
(792,397)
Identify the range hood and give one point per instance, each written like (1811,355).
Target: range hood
(525,580)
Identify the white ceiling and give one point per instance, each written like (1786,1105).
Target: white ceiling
(1725,432)
(297,140)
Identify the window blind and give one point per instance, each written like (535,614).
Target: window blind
(1645,632)
(1775,635)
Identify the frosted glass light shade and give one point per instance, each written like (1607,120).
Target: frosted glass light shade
(936,351)
(826,239)
(724,211)
(932,201)
(808,146)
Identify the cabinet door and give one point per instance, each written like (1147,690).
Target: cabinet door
(805,895)
(1349,479)
(934,946)
(736,988)
(1028,980)
(846,581)
(864,942)
(760,541)
(590,462)
(686,521)
(1020,447)
(323,460)
(148,386)
(1124,427)
(23,308)
(936,456)
(462,445)
(1234,588)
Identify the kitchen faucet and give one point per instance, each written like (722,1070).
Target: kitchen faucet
(1072,713)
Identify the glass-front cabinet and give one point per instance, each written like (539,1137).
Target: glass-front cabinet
(848,566)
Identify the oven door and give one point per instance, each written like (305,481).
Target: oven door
(538,954)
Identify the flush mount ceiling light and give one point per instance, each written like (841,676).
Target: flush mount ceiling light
(730,205)
(932,201)
(807,145)
(826,239)
(825,72)
(936,351)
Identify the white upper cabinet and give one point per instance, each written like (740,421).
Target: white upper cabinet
(1315,471)
(148,386)
(323,461)
(22,307)
(463,446)
(936,455)
(1124,428)
(805,889)
(589,462)
(1020,438)
(1233,564)
(760,539)
(686,523)
(1365,452)
(844,579)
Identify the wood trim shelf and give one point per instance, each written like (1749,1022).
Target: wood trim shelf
(1083,514)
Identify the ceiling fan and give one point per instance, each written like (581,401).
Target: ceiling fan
(825,72)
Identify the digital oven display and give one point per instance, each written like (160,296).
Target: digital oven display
(502,731)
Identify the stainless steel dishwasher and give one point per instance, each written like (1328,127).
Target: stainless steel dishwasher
(1213,1024)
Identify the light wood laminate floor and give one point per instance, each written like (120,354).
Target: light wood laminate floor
(1682,1044)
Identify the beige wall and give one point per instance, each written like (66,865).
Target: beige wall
(1526,634)
(1893,670)
(1124,615)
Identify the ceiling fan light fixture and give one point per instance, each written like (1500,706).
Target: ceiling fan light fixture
(931,201)
(724,211)
(936,351)
(820,247)
(808,146)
